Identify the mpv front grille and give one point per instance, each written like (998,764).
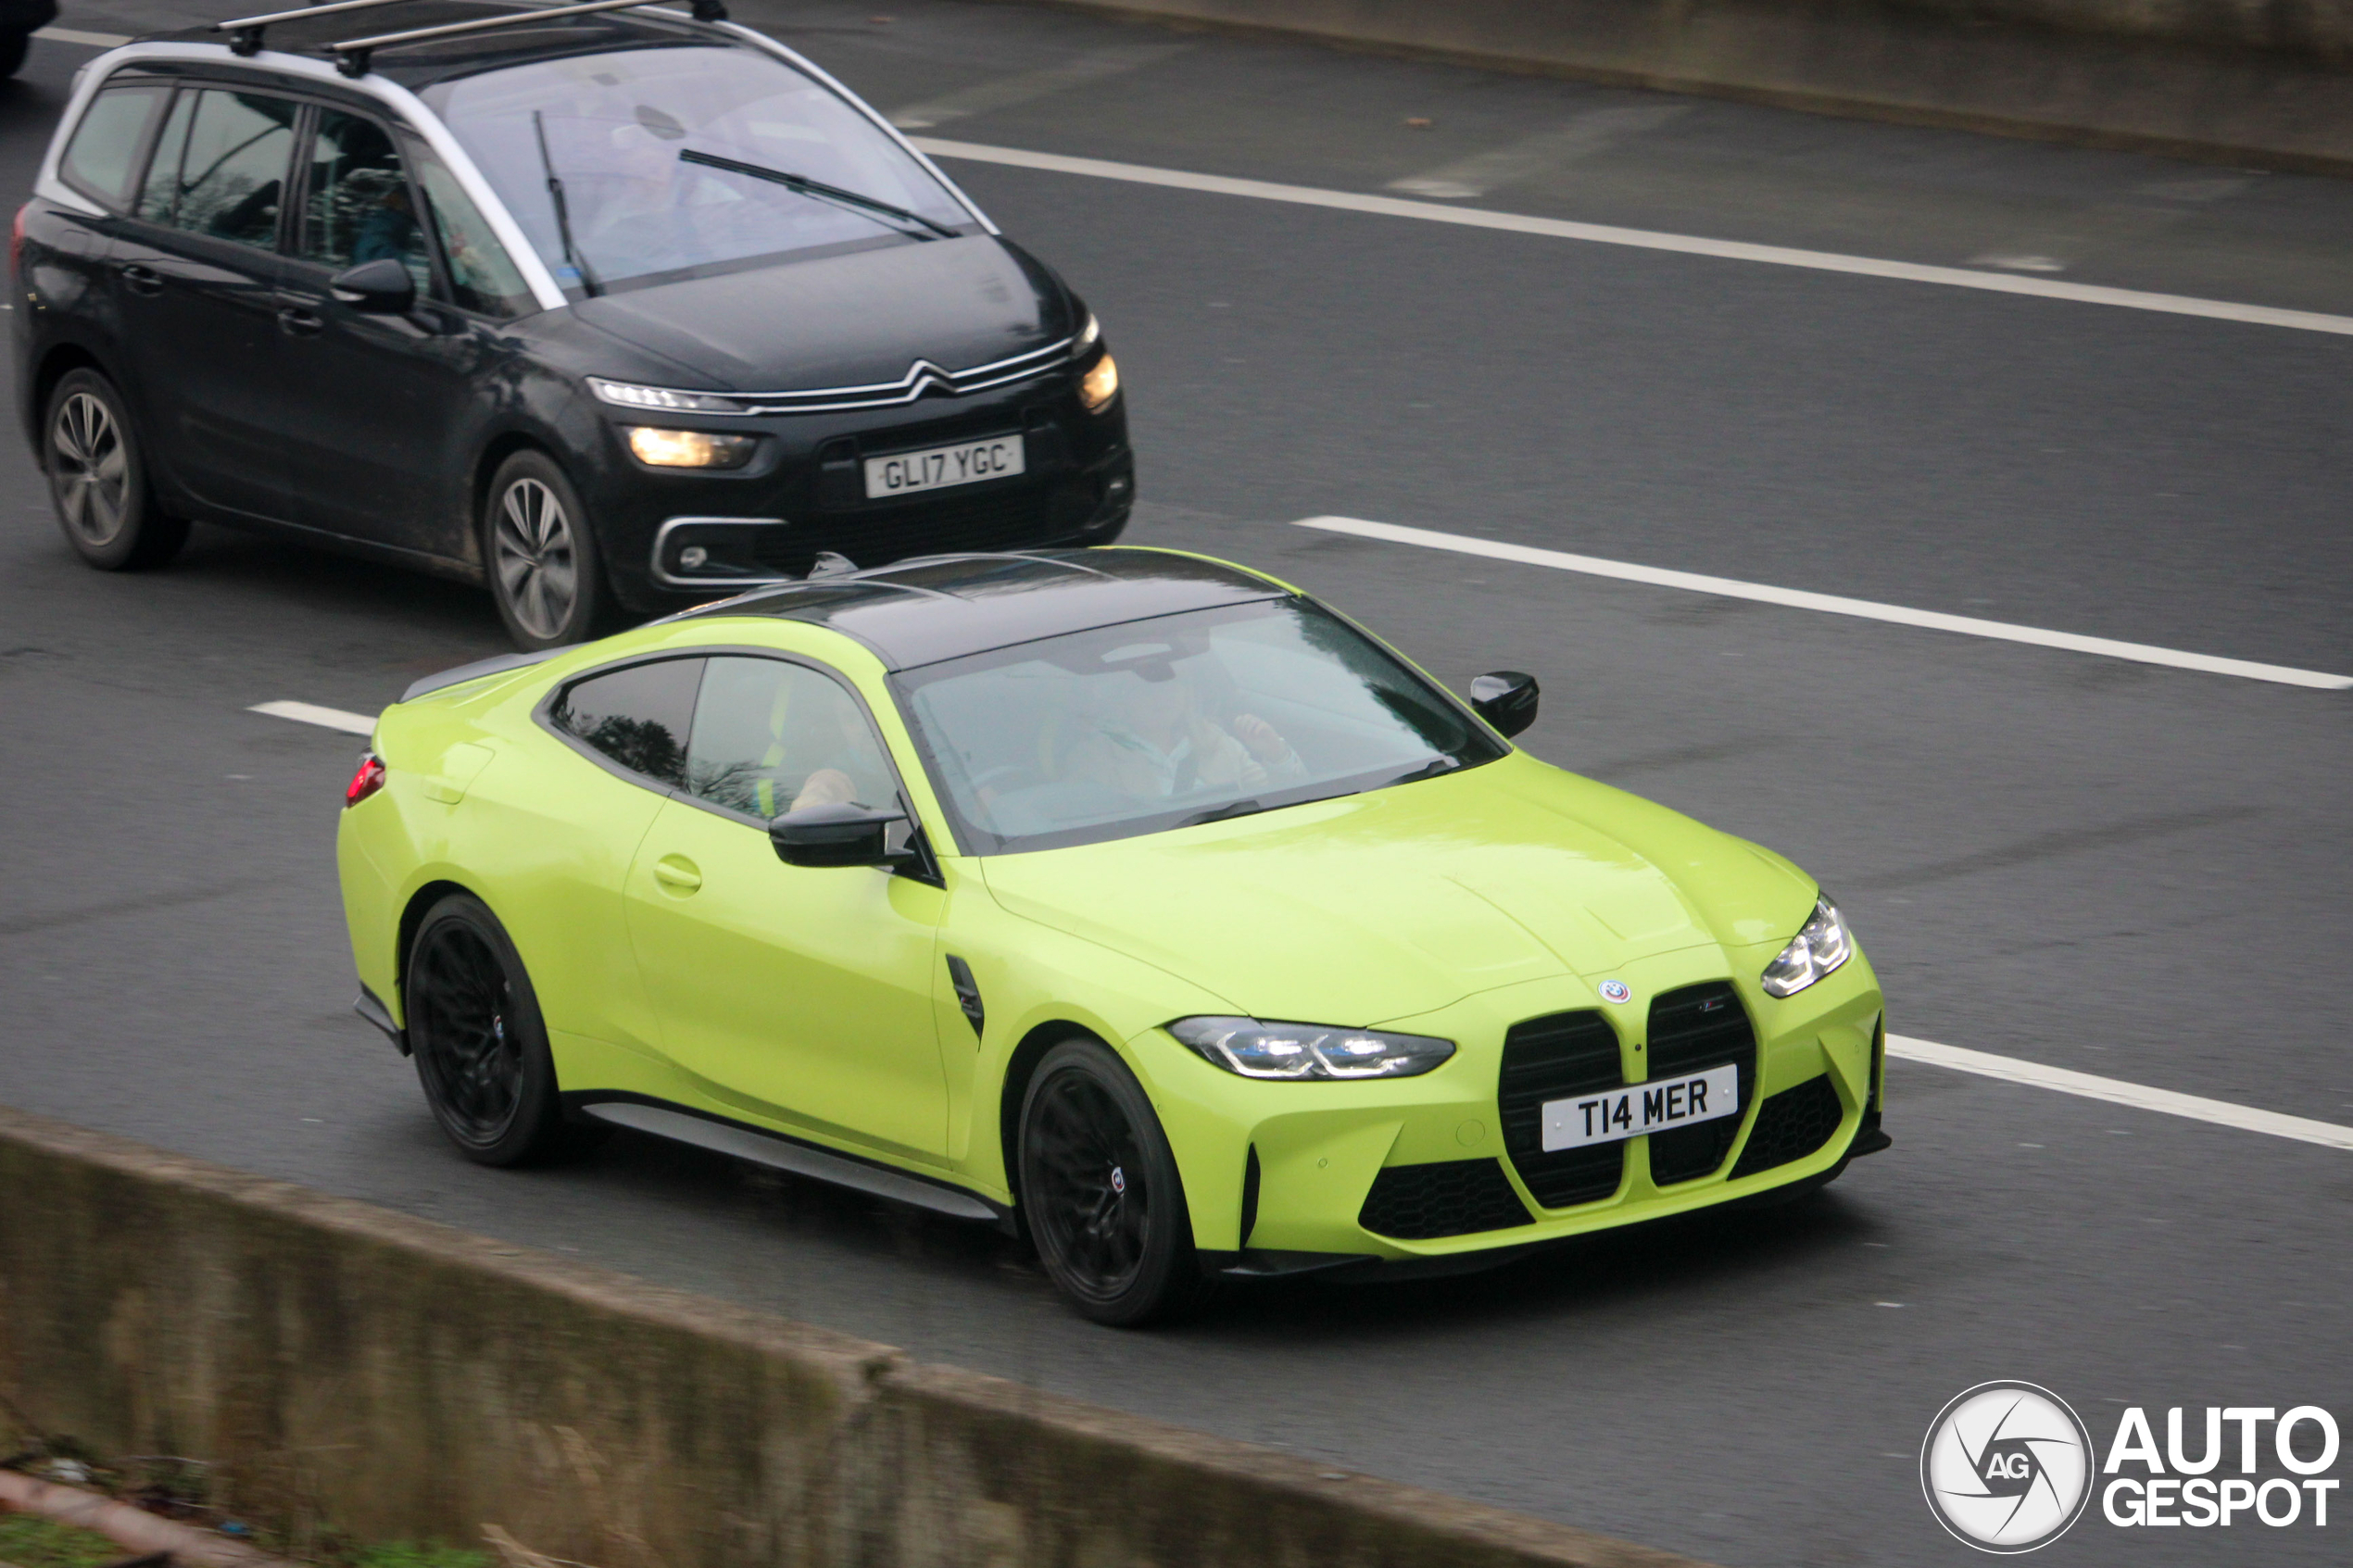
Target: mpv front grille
(1692,1030)
(1553,1058)
(1791,1125)
(1452,1198)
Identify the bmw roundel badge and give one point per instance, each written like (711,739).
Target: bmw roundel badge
(1615,991)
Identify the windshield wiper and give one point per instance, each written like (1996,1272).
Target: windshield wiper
(574,256)
(801,184)
(1428,769)
(1219,813)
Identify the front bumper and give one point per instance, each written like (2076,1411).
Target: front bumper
(1446,1171)
(803,494)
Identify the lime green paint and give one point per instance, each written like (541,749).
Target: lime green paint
(676,958)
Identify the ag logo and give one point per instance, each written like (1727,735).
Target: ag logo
(2007,1467)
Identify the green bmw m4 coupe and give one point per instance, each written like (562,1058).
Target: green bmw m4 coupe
(1128,900)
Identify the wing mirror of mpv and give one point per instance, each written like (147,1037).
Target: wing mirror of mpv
(375,288)
(844,834)
(1505,699)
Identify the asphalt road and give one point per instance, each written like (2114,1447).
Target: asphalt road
(2079,861)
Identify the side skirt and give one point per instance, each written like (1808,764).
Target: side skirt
(782,1153)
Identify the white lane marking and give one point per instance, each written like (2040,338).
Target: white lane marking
(1643,239)
(1831,604)
(2222,1113)
(94,39)
(311,713)
(1589,133)
(1031,85)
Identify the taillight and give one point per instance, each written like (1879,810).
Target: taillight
(16,242)
(366,781)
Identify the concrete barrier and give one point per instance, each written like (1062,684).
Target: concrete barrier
(2266,83)
(342,1366)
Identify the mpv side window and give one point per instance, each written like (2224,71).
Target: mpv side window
(220,166)
(772,738)
(483,277)
(98,161)
(638,717)
(359,206)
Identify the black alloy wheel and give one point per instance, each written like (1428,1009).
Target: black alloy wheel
(1101,1193)
(541,555)
(98,479)
(473,1026)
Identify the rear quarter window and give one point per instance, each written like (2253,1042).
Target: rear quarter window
(100,161)
(638,717)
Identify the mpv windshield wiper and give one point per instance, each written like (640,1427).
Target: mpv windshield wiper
(572,253)
(802,185)
(1219,813)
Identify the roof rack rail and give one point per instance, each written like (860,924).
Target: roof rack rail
(245,32)
(353,54)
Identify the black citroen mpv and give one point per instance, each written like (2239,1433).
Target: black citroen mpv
(607,307)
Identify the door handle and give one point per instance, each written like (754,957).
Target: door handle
(300,322)
(141,280)
(677,874)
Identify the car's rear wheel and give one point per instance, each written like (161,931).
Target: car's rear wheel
(475,1028)
(542,557)
(98,479)
(1100,1192)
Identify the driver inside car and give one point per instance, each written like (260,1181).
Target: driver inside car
(1156,743)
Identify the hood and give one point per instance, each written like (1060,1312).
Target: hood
(845,319)
(1404,900)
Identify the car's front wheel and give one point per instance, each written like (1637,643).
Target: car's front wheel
(1100,1192)
(475,1028)
(98,479)
(544,569)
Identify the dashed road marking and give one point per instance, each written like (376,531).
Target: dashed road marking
(1590,133)
(1830,604)
(90,39)
(2116,1091)
(1645,239)
(311,713)
(1031,85)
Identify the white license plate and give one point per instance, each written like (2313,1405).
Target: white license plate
(909,473)
(1642,1108)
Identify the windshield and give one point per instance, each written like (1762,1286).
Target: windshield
(610,128)
(1155,724)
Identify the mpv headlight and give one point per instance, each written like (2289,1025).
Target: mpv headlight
(689,448)
(1258,1049)
(1819,947)
(669,400)
(1100,386)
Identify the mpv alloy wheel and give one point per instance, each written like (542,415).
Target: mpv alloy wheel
(543,559)
(98,481)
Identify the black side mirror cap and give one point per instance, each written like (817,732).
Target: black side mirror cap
(843,834)
(1506,699)
(375,288)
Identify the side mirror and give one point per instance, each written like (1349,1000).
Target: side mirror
(843,834)
(375,288)
(1505,699)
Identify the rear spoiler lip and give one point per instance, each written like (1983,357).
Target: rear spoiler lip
(498,664)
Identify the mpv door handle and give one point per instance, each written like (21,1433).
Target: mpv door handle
(141,280)
(677,874)
(300,322)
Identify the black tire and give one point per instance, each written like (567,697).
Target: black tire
(541,555)
(1101,1193)
(479,1046)
(99,478)
(13,43)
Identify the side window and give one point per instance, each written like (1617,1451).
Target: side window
(97,162)
(638,717)
(227,174)
(482,275)
(772,738)
(359,208)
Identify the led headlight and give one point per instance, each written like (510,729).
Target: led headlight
(668,399)
(1087,336)
(1100,386)
(1819,947)
(689,448)
(1259,1049)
